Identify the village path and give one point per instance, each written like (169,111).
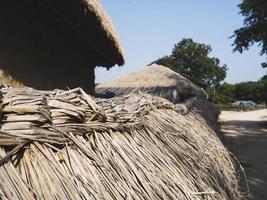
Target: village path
(245,135)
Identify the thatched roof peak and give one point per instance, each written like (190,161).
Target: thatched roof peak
(151,78)
(89,20)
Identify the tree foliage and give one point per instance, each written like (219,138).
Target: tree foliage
(191,60)
(255,26)
(250,91)
(226,93)
(254,91)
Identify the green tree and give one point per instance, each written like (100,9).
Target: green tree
(191,60)
(250,91)
(253,90)
(255,26)
(264,82)
(226,93)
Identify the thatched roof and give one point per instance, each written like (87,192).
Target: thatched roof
(49,44)
(206,109)
(90,21)
(155,79)
(67,145)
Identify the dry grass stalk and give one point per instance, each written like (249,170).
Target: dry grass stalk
(130,147)
(9,80)
(157,80)
(89,13)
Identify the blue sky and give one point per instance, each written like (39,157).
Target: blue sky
(148,30)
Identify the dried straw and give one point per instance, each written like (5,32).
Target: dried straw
(156,80)
(67,145)
(90,21)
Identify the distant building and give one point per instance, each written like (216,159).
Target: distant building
(50,44)
(155,79)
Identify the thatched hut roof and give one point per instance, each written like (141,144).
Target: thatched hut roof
(89,20)
(49,44)
(67,145)
(155,79)
(206,109)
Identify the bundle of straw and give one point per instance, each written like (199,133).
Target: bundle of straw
(68,145)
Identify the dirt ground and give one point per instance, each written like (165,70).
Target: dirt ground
(245,135)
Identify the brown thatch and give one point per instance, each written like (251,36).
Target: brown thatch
(207,110)
(50,44)
(155,79)
(67,145)
(89,20)
(8,80)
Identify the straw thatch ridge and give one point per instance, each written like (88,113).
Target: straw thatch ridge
(67,145)
(206,109)
(82,16)
(155,79)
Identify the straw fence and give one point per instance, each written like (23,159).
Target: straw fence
(67,145)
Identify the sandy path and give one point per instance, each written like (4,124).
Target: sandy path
(245,134)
